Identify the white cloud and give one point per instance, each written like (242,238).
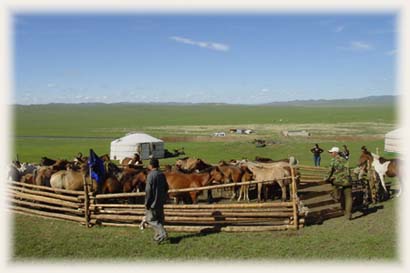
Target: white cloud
(357,46)
(51,85)
(360,45)
(208,45)
(391,52)
(339,29)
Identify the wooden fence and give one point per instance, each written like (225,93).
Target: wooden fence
(309,200)
(47,202)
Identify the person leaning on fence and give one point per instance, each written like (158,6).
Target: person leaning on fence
(316,154)
(339,177)
(156,191)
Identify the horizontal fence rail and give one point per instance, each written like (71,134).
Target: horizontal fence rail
(88,208)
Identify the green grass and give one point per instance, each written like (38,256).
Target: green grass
(116,119)
(31,150)
(373,237)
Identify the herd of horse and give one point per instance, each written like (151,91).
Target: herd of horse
(185,173)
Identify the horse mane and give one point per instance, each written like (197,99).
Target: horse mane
(208,169)
(223,163)
(383,160)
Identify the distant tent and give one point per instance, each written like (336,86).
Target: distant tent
(393,141)
(146,145)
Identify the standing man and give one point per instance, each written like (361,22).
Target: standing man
(339,177)
(316,154)
(156,191)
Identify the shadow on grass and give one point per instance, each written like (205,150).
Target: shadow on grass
(204,232)
(367,211)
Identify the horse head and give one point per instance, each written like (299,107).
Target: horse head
(366,156)
(216,175)
(138,181)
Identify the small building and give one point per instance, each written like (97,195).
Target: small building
(393,141)
(303,133)
(219,134)
(146,145)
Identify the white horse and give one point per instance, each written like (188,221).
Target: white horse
(27,168)
(384,167)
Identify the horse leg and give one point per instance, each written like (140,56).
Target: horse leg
(259,191)
(210,197)
(383,183)
(194,197)
(234,190)
(283,189)
(241,192)
(245,192)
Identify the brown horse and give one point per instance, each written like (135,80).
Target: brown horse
(133,180)
(71,179)
(192,164)
(244,190)
(232,174)
(42,175)
(27,178)
(178,180)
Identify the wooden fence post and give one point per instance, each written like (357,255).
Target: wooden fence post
(294,199)
(86,203)
(372,182)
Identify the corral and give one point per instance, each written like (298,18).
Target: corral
(309,202)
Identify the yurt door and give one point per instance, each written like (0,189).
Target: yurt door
(145,151)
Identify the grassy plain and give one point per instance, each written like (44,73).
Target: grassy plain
(114,120)
(46,130)
(369,238)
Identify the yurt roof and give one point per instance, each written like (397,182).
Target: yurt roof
(397,133)
(136,138)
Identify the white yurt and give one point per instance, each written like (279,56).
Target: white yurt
(393,141)
(141,143)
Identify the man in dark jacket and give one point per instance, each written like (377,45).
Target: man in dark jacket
(316,154)
(156,191)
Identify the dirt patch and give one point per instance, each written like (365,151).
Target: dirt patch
(202,139)
(316,129)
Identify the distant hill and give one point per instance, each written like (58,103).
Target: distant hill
(366,101)
(371,100)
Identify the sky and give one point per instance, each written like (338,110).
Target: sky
(202,58)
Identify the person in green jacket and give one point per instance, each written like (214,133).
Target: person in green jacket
(339,177)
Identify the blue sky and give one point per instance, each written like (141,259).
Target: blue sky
(229,58)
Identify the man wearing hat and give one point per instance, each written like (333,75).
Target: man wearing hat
(339,177)
(156,191)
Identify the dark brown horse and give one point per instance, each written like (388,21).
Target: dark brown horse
(133,180)
(178,180)
(244,190)
(232,174)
